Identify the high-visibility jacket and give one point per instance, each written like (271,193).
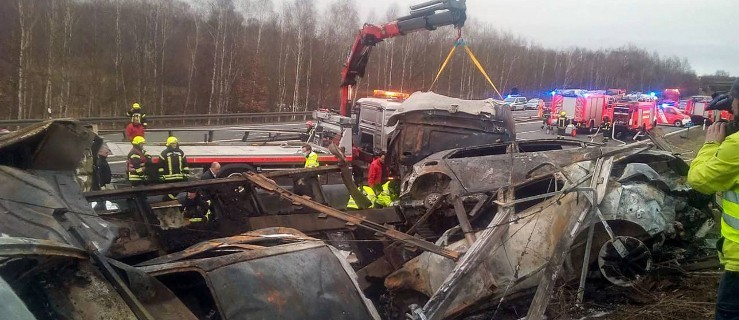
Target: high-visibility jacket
(136,164)
(368,192)
(561,122)
(311,160)
(716,169)
(133,113)
(387,196)
(173,165)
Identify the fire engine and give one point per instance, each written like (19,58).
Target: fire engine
(584,108)
(670,97)
(634,113)
(696,108)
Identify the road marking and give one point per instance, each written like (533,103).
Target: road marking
(532,131)
(535,121)
(676,132)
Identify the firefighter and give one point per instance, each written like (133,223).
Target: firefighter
(606,128)
(173,164)
(388,195)
(196,207)
(137,162)
(137,111)
(311,158)
(716,169)
(368,192)
(135,128)
(561,123)
(310,129)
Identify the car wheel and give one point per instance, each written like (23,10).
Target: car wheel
(678,123)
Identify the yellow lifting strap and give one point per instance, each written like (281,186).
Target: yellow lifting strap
(461,42)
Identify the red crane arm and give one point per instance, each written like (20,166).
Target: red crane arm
(425,16)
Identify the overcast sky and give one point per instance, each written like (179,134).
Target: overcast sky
(706,32)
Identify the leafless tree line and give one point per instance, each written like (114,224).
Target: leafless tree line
(79,58)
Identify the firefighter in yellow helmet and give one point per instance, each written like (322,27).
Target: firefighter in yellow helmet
(716,169)
(561,123)
(311,157)
(137,114)
(173,164)
(137,162)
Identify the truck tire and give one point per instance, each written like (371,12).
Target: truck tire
(235,169)
(678,123)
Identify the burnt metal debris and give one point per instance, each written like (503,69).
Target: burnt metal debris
(475,227)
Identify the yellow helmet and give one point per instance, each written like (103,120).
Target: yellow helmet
(171,141)
(136,106)
(138,140)
(562,113)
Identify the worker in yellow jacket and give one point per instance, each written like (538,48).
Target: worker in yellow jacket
(716,169)
(388,195)
(311,158)
(368,192)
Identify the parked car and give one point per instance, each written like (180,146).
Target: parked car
(533,104)
(672,116)
(516,102)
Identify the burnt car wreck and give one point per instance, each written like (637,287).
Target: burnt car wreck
(474,227)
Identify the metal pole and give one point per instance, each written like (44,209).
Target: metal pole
(586,255)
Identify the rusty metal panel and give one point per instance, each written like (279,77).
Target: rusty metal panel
(48,145)
(306,284)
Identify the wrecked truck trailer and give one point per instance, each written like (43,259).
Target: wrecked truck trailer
(53,244)
(55,253)
(642,204)
(268,274)
(427,123)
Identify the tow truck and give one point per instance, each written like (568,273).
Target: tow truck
(242,157)
(425,16)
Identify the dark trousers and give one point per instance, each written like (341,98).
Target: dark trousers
(727,303)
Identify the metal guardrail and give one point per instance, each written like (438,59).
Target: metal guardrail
(183,119)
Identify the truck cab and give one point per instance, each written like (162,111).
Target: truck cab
(370,117)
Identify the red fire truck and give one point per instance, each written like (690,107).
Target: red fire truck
(696,108)
(634,113)
(584,108)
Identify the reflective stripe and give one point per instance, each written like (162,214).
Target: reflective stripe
(731,196)
(731,221)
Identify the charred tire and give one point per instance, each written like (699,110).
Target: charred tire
(235,169)
(678,123)
(624,261)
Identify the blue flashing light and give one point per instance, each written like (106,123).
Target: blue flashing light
(553,92)
(508,96)
(653,94)
(665,105)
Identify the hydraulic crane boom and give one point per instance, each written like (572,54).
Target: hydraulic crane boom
(426,16)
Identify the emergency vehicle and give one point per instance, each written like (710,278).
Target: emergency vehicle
(369,118)
(670,97)
(241,157)
(696,108)
(672,116)
(634,113)
(584,108)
